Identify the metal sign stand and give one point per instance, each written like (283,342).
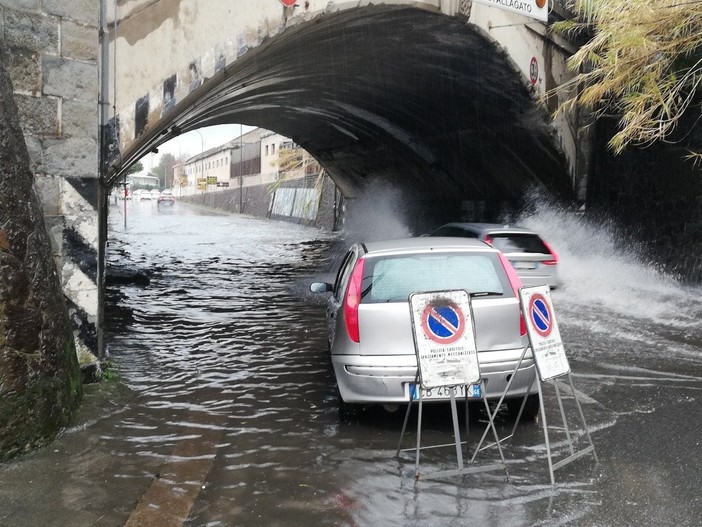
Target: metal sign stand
(461,469)
(447,358)
(551,364)
(552,467)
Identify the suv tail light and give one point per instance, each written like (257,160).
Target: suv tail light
(516,284)
(554,260)
(352,300)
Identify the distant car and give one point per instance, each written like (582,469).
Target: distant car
(370,328)
(534,259)
(166,199)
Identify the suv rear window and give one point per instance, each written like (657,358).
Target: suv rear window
(518,243)
(393,279)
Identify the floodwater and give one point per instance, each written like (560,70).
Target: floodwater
(224,408)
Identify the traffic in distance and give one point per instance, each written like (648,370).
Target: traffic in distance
(369,324)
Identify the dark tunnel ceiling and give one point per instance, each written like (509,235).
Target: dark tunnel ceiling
(416,98)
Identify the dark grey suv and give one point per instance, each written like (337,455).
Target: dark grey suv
(534,260)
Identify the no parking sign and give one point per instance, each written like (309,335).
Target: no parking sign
(444,338)
(545,339)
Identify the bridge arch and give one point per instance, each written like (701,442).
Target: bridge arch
(407,94)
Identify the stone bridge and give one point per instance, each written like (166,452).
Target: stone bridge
(437,98)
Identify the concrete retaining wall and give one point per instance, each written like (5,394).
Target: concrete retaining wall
(310,202)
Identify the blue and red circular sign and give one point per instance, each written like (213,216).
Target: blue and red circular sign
(540,315)
(444,323)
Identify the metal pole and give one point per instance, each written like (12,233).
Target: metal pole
(104,111)
(563,416)
(419,436)
(456,430)
(545,425)
(241,170)
(582,418)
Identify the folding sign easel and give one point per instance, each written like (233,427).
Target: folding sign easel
(551,363)
(447,360)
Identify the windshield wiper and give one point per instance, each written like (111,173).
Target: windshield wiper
(487,293)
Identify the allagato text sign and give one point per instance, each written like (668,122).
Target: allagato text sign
(532,8)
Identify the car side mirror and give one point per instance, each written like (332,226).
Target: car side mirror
(320,287)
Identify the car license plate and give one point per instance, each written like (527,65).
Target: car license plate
(524,265)
(444,392)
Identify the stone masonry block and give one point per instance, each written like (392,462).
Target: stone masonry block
(83,11)
(24,68)
(74,157)
(78,41)
(36,152)
(48,189)
(29,5)
(32,31)
(70,79)
(39,115)
(79,119)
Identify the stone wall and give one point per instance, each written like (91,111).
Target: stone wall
(655,194)
(40,381)
(51,53)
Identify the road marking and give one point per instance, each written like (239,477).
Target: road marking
(171,496)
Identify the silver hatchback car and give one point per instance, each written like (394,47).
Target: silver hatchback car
(370,327)
(534,260)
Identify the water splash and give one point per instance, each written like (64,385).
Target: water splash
(601,270)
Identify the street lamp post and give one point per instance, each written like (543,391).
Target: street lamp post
(202,152)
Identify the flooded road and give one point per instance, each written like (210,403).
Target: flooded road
(224,410)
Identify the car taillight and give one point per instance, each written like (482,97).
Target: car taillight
(488,240)
(352,300)
(554,259)
(516,284)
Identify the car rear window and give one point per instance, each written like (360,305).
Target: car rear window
(393,279)
(518,243)
(454,232)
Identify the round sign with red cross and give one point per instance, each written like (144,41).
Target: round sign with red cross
(444,323)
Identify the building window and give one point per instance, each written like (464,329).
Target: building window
(266,149)
(273,149)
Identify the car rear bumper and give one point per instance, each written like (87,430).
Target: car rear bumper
(384,379)
(529,280)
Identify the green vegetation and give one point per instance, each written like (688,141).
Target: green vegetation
(109,373)
(135,168)
(643,62)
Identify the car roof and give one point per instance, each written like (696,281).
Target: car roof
(490,227)
(426,243)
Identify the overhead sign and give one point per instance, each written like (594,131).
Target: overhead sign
(532,8)
(542,328)
(444,338)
